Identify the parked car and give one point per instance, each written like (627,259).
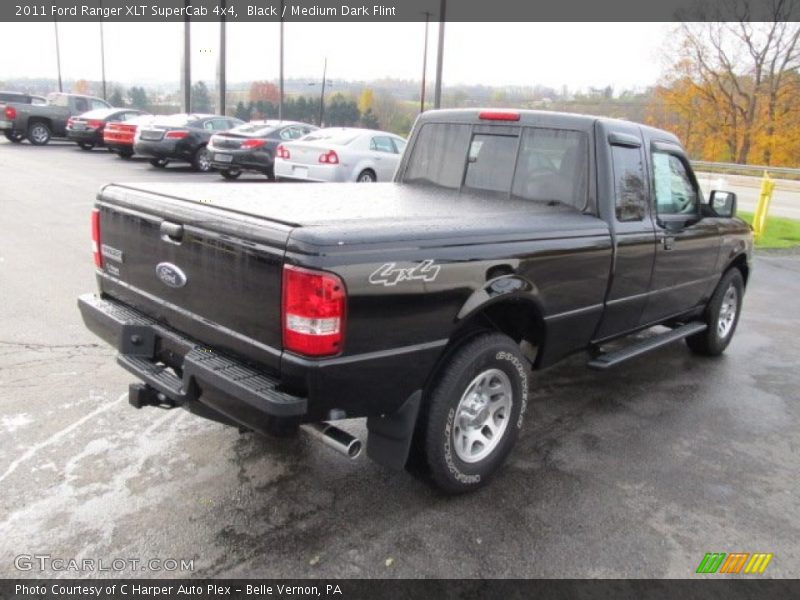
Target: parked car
(251,147)
(42,122)
(340,154)
(119,136)
(7,116)
(87,130)
(508,240)
(181,137)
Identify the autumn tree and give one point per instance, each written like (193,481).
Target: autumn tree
(733,84)
(264,91)
(81,87)
(365,100)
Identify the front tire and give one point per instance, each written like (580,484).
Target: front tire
(39,134)
(86,146)
(721,316)
(473,413)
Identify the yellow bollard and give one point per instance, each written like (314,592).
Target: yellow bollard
(762,208)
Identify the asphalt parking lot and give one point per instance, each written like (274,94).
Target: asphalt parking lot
(636,472)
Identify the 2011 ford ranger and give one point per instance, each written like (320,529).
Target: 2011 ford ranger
(508,240)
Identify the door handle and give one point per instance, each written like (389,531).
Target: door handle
(171,232)
(668,242)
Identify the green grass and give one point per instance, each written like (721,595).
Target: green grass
(779,232)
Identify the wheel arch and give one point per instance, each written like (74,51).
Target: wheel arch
(740,262)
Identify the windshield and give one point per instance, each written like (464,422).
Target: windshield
(549,165)
(100,113)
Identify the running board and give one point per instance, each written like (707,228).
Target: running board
(607,360)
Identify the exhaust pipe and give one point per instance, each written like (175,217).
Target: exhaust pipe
(336,438)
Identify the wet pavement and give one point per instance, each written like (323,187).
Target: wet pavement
(635,472)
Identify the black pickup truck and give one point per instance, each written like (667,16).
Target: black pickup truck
(508,240)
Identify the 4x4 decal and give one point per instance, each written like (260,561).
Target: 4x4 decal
(390,274)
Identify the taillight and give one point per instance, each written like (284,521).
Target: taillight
(283,152)
(98,257)
(95,124)
(11,113)
(251,144)
(329,158)
(70,122)
(499,115)
(313,312)
(178,134)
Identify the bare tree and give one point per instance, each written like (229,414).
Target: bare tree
(740,67)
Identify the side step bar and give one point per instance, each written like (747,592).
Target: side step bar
(607,360)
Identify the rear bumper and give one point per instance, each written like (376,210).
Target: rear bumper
(89,136)
(286,169)
(230,387)
(165,149)
(239,159)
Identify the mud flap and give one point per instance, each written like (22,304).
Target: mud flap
(389,439)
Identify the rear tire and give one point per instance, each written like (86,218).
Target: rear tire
(721,316)
(367,176)
(39,133)
(201,161)
(159,163)
(230,174)
(14,136)
(85,146)
(473,413)
(270,172)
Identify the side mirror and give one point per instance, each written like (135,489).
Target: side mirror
(722,203)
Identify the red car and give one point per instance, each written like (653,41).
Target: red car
(118,136)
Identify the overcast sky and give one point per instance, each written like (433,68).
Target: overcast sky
(578,55)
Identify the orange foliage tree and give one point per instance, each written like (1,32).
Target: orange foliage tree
(264,91)
(732,92)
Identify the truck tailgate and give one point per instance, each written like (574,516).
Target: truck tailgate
(212,274)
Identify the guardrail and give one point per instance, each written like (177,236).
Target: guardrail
(754,170)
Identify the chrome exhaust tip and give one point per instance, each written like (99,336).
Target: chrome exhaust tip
(338,439)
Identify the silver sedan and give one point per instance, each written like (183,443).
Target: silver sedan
(340,154)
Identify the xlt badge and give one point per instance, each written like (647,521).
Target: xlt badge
(170,275)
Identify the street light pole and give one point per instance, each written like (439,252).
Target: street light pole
(103,60)
(424,64)
(322,94)
(437,98)
(280,101)
(186,67)
(221,75)
(58,59)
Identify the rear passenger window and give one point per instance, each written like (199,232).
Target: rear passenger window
(628,183)
(382,144)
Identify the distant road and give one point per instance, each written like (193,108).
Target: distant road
(785,198)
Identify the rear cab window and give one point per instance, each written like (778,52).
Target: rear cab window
(533,163)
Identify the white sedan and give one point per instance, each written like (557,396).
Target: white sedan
(340,154)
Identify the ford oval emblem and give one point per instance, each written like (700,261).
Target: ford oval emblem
(170,275)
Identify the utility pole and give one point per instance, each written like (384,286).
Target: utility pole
(322,94)
(280,101)
(58,59)
(437,97)
(103,60)
(424,64)
(186,67)
(221,87)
